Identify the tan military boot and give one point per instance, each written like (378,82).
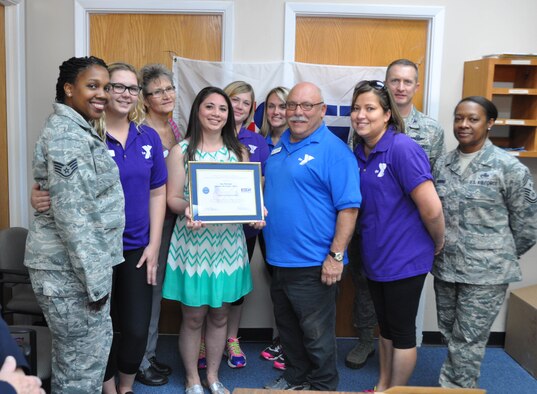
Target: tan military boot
(365,348)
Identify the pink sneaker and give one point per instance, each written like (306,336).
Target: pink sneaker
(235,356)
(279,362)
(202,358)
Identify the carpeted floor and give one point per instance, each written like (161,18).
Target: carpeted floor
(500,374)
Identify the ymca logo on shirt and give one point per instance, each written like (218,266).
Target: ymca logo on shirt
(380,171)
(252,148)
(146,151)
(305,159)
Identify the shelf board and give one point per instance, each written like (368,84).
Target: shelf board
(524,153)
(516,122)
(524,61)
(514,91)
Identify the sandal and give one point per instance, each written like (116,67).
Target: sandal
(218,388)
(195,389)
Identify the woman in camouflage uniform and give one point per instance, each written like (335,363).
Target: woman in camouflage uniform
(490,208)
(72,246)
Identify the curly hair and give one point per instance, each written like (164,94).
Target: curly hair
(69,71)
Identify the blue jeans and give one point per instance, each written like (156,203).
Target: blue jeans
(305,312)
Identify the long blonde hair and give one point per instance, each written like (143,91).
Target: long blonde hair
(137,114)
(282,93)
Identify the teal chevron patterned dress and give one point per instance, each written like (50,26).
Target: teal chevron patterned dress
(208,266)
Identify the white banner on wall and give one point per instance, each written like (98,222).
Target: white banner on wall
(336,83)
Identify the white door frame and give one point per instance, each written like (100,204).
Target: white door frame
(84,7)
(433,14)
(16,111)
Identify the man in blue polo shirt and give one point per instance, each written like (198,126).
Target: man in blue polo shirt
(312,193)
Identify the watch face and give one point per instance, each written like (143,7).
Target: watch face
(338,256)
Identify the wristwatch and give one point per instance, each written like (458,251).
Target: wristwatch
(338,256)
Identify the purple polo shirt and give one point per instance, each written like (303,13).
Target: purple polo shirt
(395,242)
(141,168)
(259,153)
(256,145)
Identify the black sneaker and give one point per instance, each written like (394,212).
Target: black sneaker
(279,362)
(282,384)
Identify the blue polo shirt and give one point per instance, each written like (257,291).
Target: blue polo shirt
(306,184)
(395,242)
(141,168)
(259,152)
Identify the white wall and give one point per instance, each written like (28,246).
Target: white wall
(472,29)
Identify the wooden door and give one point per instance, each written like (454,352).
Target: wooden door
(363,42)
(360,42)
(4,175)
(140,39)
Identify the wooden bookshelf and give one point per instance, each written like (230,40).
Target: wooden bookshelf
(510,83)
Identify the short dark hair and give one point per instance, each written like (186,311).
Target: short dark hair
(194,132)
(402,62)
(70,69)
(490,109)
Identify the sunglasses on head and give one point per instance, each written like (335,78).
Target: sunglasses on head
(375,84)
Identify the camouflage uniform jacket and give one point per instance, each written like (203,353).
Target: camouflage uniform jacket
(491,217)
(82,231)
(427,132)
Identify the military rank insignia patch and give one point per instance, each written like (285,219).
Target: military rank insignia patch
(66,170)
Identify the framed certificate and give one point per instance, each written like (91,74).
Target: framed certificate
(225,192)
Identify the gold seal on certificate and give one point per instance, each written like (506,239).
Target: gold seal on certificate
(225,192)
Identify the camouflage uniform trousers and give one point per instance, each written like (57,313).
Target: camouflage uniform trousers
(81,338)
(363,310)
(465,315)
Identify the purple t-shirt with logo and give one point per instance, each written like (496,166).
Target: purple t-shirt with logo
(141,168)
(259,152)
(395,242)
(256,145)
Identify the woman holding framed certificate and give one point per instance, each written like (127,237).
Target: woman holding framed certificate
(207,266)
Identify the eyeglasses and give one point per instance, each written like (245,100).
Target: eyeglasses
(305,106)
(160,92)
(119,88)
(375,84)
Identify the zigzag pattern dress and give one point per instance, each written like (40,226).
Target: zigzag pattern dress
(208,266)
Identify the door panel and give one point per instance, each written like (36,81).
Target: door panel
(140,39)
(360,42)
(4,180)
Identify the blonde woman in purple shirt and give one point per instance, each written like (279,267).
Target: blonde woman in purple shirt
(242,99)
